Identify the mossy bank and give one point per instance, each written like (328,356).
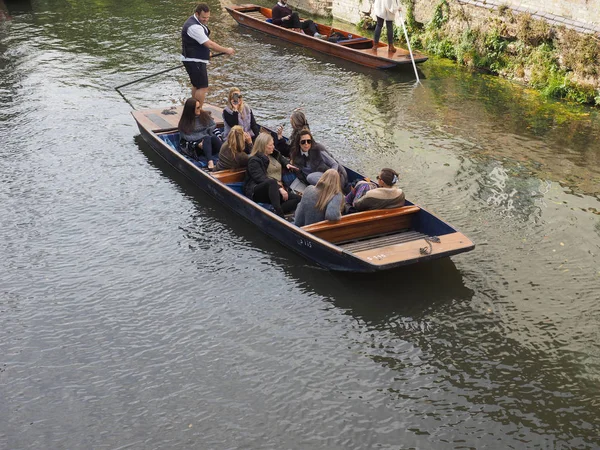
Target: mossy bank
(558,61)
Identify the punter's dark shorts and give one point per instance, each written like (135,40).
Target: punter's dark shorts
(198,74)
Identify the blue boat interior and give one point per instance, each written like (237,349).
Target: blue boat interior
(172,140)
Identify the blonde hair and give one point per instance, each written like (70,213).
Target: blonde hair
(235,90)
(260,144)
(235,140)
(328,186)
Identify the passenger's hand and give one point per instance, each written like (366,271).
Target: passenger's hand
(200,144)
(280,131)
(247,137)
(291,167)
(284,194)
(229,51)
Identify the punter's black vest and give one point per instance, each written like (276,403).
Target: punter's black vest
(190,47)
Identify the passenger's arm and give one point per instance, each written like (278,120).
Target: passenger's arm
(231,118)
(255,170)
(277,15)
(253,125)
(219,48)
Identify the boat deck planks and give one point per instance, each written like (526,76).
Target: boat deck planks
(411,250)
(162,119)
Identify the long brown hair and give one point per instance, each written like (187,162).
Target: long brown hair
(328,186)
(235,140)
(187,122)
(295,149)
(299,123)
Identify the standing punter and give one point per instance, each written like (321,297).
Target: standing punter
(195,49)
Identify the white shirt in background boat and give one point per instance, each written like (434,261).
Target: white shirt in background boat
(386,9)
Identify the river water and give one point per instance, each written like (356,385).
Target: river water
(136,313)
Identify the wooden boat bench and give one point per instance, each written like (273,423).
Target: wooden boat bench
(230,176)
(364,224)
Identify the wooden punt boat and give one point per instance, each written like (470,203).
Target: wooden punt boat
(367,241)
(357,49)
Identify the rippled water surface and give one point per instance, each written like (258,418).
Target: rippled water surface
(137,313)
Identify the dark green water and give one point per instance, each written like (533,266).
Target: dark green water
(137,313)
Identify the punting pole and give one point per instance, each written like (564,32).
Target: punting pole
(412,58)
(158,73)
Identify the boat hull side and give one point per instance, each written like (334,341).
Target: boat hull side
(322,46)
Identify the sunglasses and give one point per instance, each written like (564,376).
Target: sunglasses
(306,141)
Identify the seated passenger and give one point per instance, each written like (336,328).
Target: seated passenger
(321,202)
(282,15)
(232,154)
(298,122)
(384,196)
(263,176)
(238,113)
(312,160)
(197,131)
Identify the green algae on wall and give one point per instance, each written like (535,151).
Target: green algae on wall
(559,62)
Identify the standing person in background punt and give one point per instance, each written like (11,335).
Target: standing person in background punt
(195,50)
(385,10)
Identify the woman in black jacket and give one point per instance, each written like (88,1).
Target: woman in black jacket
(313,160)
(263,177)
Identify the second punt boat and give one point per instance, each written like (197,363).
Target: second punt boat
(351,47)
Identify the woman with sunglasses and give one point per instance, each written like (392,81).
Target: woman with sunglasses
(263,182)
(238,113)
(313,160)
(321,202)
(197,133)
(367,195)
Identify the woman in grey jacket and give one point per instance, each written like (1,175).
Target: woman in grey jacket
(197,133)
(321,202)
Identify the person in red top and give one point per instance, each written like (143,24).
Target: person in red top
(282,15)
